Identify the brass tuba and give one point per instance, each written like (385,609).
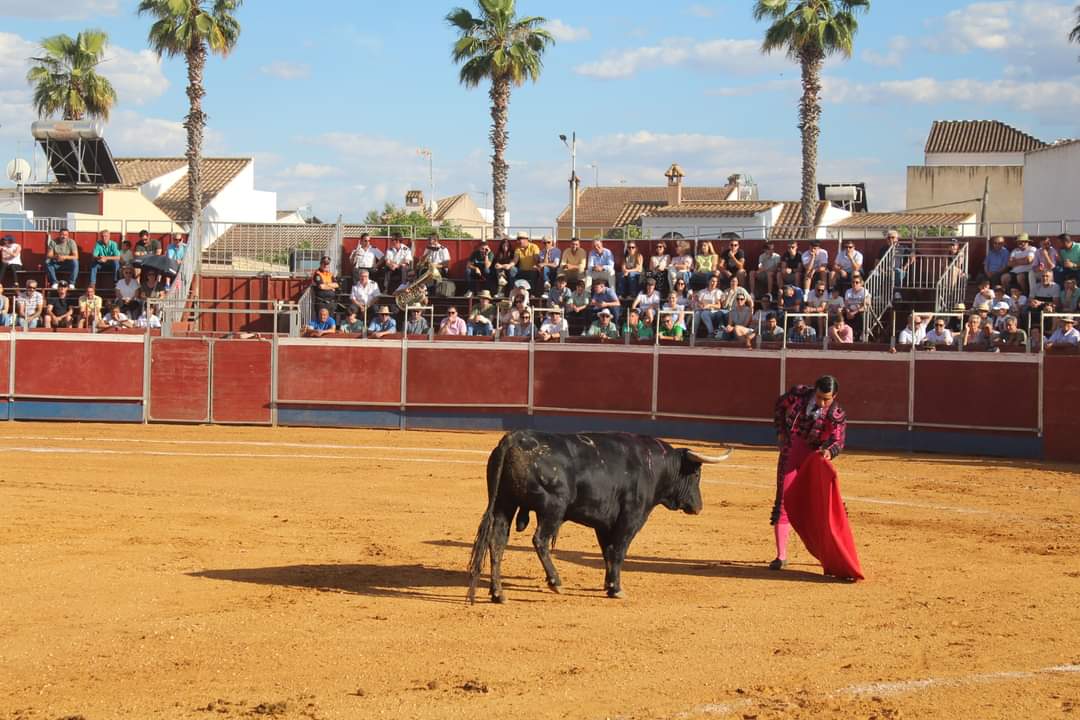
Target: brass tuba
(417,292)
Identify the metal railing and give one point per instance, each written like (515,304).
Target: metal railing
(952,284)
(270,248)
(171,307)
(880,288)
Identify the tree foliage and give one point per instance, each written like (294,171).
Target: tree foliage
(410,224)
(66,80)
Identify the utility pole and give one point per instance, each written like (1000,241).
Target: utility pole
(572,146)
(425,152)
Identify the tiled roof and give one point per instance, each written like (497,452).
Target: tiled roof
(138,171)
(789,224)
(607,206)
(978,136)
(730,208)
(887,220)
(442,207)
(632,212)
(216,174)
(1055,145)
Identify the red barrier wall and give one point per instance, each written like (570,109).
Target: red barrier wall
(870,390)
(982,393)
(180,380)
(596,379)
(241,378)
(467,376)
(78,368)
(238,291)
(718,385)
(1061,408)
(5,362)
(345,373)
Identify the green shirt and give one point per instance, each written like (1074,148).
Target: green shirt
(611,330)
(1071,254)
(108,249)
(641,332)
(63,247)
(675,332)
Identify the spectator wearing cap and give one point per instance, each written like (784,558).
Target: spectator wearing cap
(397,262)
(321,324)
(815,264)
(603,298)
(438,256)
(939,334)
(548,262)
(527,260)
(603,327)
(996,263)
(364,293)
(601,266)
(365,256)
(324,285)
(1065,336)
(915,331)
(10,259)
(383,324)
(106,256)
(1068,260)
(522,289)
(61,310)
(628,282)
(452,324)
(353,324)
(1012,335)
(554,326)
(848,264)
(801,333)
(90,306)
(1020,262)
(417,324)
(573,261)
(1069,300)
(999,316)
(482,317)
(62,254)
(29,305)
(767,266)
(708,306)
(840,332)
(635,327)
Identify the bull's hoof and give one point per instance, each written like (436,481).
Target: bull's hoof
(616,594)
(498,598)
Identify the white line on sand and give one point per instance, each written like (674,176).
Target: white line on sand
(242,443)
(873,501)
(244,456)
(907,686)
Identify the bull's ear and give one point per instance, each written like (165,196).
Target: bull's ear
(706,459)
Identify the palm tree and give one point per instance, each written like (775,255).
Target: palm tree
(1074,35)
(809,31)
(66,80)
(498,46)
(190,28)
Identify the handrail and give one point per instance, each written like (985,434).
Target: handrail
(952,284)
(880,287)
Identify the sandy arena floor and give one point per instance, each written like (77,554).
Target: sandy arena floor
(202,572)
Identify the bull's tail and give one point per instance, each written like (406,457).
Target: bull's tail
(483,533)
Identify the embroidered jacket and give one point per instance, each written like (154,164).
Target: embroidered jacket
(796,413)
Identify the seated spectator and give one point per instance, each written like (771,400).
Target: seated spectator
(676,304)
(658,267)
(527,260)
(90,306)
(29,306)
(767,268)
(939,334)
(681,266)
(576,307)
(670,331)
(1012,335)
(815,264)
(628,282)
(6,318)
(706,265)
(801,333)
(148,319)
(324,286)
(141,250)
(903,255)
(733,264)
(1000,316)
(364,294)
(383,324)
(398,261)
(817,301)
(849,263)
(106,256)
(452,324)
(635,328)
(559,295)
(856,303)
(548,265)
(1018,301)
(62,254)
(1064,336)
(521,290)
(115,320)
(763,312)
(177,248)
(734,292)
(417,324)
(835,305)
(601,266)
(573,261)
(604,298)
(127,292)
(683,291)
(10,259)
(504,269)
(1069,299)
(365,257)
(321,324)
(61,310)
(708,306)
(150,288)
(554,326)
(984,297)
(513,312)
(771,331)
(524,327)
(737,326)
(1044,294)
(791,301)
(354,324)
(915,331)
(603,327)
(479,269)
(483,315)
(127,257)
(789,269)
(437,256)
(1046,260)
(1068,260)
(977,335)
(1035,342)
(1020,262)
(840,331)
(996,265)
(1001,296)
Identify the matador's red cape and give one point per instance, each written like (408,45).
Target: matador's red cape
(816,511)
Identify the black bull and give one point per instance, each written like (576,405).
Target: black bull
(607,481)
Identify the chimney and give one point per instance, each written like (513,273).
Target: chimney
(414,201)
(674,177)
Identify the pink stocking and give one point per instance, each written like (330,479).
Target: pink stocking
(782,530)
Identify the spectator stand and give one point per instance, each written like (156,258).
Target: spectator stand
(1051,323)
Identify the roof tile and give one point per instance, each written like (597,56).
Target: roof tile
(888,220)
(978,136)
(607,206)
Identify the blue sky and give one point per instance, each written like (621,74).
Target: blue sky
(334,98)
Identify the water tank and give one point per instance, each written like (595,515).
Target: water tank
(67,130)
(842,193)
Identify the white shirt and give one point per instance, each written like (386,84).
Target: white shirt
(855,299)
(115,320)
(819,257)
(127,288)
(364,295)
(400,256)
(553,328)
(1046,292)
(151,321)
(1021,254)
(438,256)
(709,297)
(11,254)
(1072,337)
(939,338)
(817,299)
(848,263)
(913,337)
(644,302)
(366,258)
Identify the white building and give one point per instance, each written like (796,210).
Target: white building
(1052,187)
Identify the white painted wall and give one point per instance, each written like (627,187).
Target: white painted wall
(160,185)
(750,227)
(1052,184)
(966,159)
(237,202)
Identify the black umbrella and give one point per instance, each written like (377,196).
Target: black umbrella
(162,264)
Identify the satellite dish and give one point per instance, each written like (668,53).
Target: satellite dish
(18,171)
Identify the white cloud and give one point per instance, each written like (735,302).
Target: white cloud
(1039,96)
(566,33)
(136,75)
(311,170)
(701,11)
(741,57)
(59,9)
(892,56)
(285,70)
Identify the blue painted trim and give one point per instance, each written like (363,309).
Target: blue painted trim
(5,409)
(339,418)
(949,442)
(117,412)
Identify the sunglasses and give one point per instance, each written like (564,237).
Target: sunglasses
(451,312)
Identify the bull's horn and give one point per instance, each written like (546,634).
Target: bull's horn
(698,457)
